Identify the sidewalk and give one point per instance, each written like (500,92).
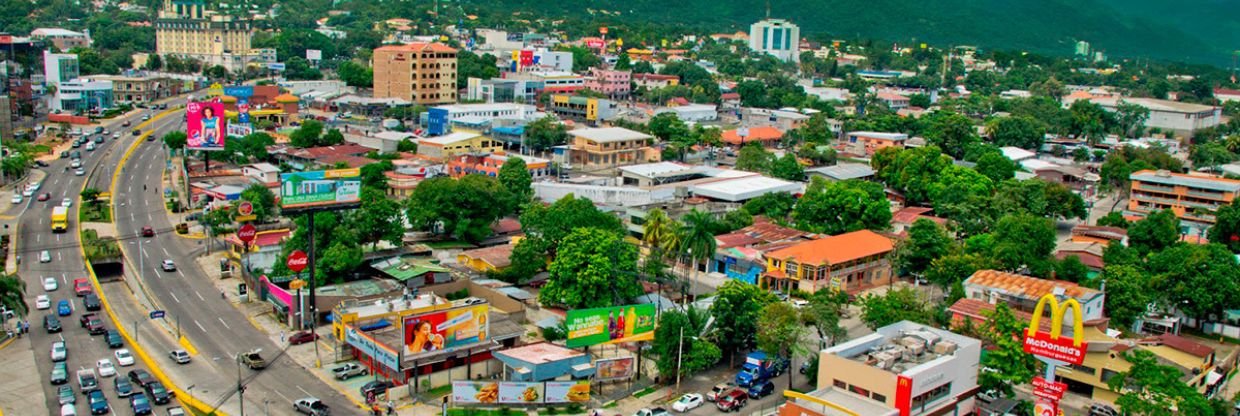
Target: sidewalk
(20,379)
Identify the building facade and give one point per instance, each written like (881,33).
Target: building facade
(655,81)
(141,89)
(869,142)
(1193,198)
(187,29)
(62,39)
(847,262)
(776,37)
(610,147)
(423,73)
(1169,116)
(612,83)
(502,90)
(446,147)
(83,95)
(582,108)
(1022,293)
(59,67)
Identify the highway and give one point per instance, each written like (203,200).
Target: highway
(35,235)
(216,328)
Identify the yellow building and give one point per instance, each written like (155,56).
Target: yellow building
(445,147)
(582,108)
(422,73)
(1105,360)
(487,259)
(186,28)
(849,262)
(596,149)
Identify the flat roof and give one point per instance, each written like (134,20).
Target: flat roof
(609,134)
(745,188)
(653,169)
(879,135)
(450,138)
(851,401)
(1016,153)
(540,353)
(1191,181)
(1155,104)
(844,171)
(464,108)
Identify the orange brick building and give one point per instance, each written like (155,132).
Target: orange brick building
(422,73)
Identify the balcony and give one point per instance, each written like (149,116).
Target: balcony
(1155,188)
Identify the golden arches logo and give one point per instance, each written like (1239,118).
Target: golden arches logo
(904,382)
(1057,313)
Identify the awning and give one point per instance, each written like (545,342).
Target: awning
(1213,378)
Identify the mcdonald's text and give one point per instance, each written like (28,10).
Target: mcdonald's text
(1056,348)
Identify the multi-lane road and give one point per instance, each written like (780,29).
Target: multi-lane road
(212,325)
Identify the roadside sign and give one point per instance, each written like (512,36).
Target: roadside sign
(247,233)
(1049,390)
(245,208)
(1045,408)
(297,261)
(156,314)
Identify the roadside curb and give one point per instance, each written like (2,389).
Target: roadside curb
(194,236)
(7,342)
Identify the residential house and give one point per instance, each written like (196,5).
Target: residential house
(263,172)
(655,81)
(615,84)
(1090,254)
(489,164)
(692,113)
(317,157)
(413,272)
(868,142)
(446,147)
(768,136)
(729,101)
(843,171)
(847,262)
(63,39)
(1198,365)
(895,102)
(1022,293)
(1226,94)
(1193,198)
(738,255)
(487,259)
(610,147)
(1098,234)
(903,219)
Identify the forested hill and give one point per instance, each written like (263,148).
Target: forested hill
(1203,31)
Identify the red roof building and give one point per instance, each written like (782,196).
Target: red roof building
(767,135)
(850,262)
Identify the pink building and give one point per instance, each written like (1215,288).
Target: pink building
(614,84)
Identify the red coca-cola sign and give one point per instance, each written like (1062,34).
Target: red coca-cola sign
(247,233)
(297,261)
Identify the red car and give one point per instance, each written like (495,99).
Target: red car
(45,196)
(82,286)
(147,231)
(732,401)
(302,338)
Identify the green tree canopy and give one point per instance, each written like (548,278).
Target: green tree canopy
(1023,240)
(176,140)
(1020,131)
(462,208)
(1128,293)
(515,178)
(1151,388)
(736,310)
(592,270)
(894,306)
(263,201)
(926,242)
(544,133)
(694,352)
(780,331)
(1226,228)
(774,205)
(1158,230)
(839,207)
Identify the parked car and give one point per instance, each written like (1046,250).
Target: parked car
(349,370)
(179,356)
(42,302)
(375,388)
(302,338)
(87,381)
(732,401)
(761,389)
(176,411)
(91,302)
(60,373)
(688,402)
(1099,409)
(64,308)
(658,411)
(123,357)
(98,403)
(17,198)
(51,323)
(81,287)
(60,352)
(140,377)
(311,406)
(50,284)
(123,387)
(718,390)
(68,410)
(65,395)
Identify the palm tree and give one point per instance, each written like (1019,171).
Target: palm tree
(657,231)
(697,241)
(13,294)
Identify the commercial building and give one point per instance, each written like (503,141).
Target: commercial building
(423,73)
(847,262)
(83,95)
(544,361)
(443,148)
(905,368)
(62,39)
(612,83)
(187,29)
(552,81)
(604,148)
(1022,293)
(59,67)
(692,113)
(489,164)
(413,272)
(1180,118)
(502,90)
(783,120)
(1193,198)
(776,37)
(140,89)
(439,118)
(843,172)
(869,142)
(738,255)
(655,81)
(1198,365)
(582,108)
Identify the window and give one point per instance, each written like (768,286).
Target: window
(878,397)
(840,384)
(1083,368)
(931,396)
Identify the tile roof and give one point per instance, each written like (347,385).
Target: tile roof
(909,215)
(759,133)
(505,226)
(737,239)
(1030,287)
(836,249)
(496,256)
(977,309)
(1181,343)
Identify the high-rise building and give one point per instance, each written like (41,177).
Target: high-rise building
(187,29)
(776,37)
(1082,48)
(59,67)
(424,73)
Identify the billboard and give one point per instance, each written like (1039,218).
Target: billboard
(314,55)
(239,130)
(610,325)
(481,392)
(239,91)
(505,392)
(615,368)
(320,188)
(520,392)
(275,66)
(567,392)
(205,125)
(446,329)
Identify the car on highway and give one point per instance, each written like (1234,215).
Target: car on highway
(253,359)
(86,380)
(79,172)
(81,287)
(77,143)
(137,132)
(66,202)
(90,146)
(100,140)
(311,406)
(158,393)
(125,124)
(93,324)
(64,154)
(91,302)
(688,402)
(42,302)
(51,324)
(179,356)
(50,284)
(105,367)
(45,256)
(116,136)
(349,370)
(146,117)
(140,377)
(60,373)
(76,163)
(64,308)
(98,403)
(65,395)
(76,155)
(302,338)
(113,338)
(168,265)
(124,358)
(17,199)
(41,163)
(140,404)
(123,387)
(44,196)
(732,401)
(60,352)
(147,231)
(176,411)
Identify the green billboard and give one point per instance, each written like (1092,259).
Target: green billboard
(613,324)
(320,188)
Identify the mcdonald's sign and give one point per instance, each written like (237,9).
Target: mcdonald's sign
(1053,345)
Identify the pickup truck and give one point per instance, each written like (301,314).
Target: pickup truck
(348,371)
(253,360)
(93,324)
(758,367)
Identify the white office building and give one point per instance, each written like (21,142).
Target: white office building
(59,67)
(776,37)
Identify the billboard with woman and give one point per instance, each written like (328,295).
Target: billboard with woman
(205,125)
(446,329)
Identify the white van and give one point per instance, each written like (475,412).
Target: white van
(68,410)
(90,146)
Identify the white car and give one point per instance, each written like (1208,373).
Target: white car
(123,357)
(50,284)
(106,369)
(80,172)
(66,202)
(169,266)
(688,402)
(76,163)
(45,256)
(17,198)
(42,302)
(59,351)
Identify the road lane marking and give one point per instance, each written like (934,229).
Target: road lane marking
(304,391)
(38,238)
(222,322)
(165,249)
(59,257)
(285,397)
(200,326)
(200,296)
(157,273)
(174,297)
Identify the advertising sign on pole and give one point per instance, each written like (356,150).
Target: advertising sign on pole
(275,66)
(1049,390)
(297,261)
(483,392)
(1045,407)
(243,113)
(247,233)
(610,325)
(314,55)
(520,392)
(614,368)
(568,391)
(320,188)
(205,125)
(504,392)
(1051,345)
(446,329)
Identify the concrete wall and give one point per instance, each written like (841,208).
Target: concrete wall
(606,195)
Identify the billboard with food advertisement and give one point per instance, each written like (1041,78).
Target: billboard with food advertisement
(519,392)
(481,392)
(205,125)
(447,329)
(506,392)
(615,368)
(610,325)
(320,188)
(567,392)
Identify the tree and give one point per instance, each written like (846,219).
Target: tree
(592,270)
(623,62)
(839,207)
(307,135)
(331,138)
(1051,88)
(951,269)
(643,67)
(13,294)
(263,201)
(1151,388)
(90,195)
(251,147)
(692,352)
(1158,230)
(154,62)
(1008,359)
(216,72)
(470,65)
(736,310)
(1226,228)
(780,331)
(1199,280)
(926,242)
(1088,121)
(1115,219)
(299,68)
(919,101)
(659,231)
(544,133)
(1071,269)
(754,158)
(824,312)
(1023,240)
(1130,118)
(373,175)
(961,195)
(515,178)
(175,140)
(910,171)
(952,132)
(1210,155)
(546,226)
(462,208)
(355,74)
(1128,293)
(788,168)
(774,205)
(696,238)
(667,126)
(894,306)
(1020,131)
(996,166)
(407,145)
(377,219)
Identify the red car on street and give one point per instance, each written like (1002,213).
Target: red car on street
(147,231)
(302,338)
(82,286)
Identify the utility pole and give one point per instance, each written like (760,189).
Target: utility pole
(240,387)
(680,350)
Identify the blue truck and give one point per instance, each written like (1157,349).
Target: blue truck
(759,367)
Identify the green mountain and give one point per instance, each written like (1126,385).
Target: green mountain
(1203,31)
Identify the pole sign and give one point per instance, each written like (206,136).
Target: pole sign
(1048,390)
(297,261)
(1053,345)
(247,233)
(245,208)
(1045,408)
(158,313)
